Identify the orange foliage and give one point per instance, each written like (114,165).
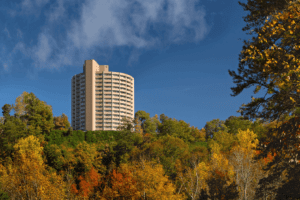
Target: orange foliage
(269,157)
(86,184)
(122,185)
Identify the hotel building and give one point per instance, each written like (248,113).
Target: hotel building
(100,98)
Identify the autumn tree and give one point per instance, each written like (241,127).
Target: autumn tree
(27,177)
(192,180)
(219,187)
(247,171)
(271,56)
(259,11)
(119,184)
(61,122)
(152,183)
(283,168)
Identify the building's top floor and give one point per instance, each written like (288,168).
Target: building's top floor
(101,70)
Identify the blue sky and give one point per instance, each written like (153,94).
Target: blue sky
(178,51)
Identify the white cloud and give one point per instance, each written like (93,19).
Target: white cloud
(119,22)
(106,24)
(44,50)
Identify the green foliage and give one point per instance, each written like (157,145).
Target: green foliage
(234,123)
(39,114)
(180,129)
(4,195)
(148,125)
(53,154)
(214,126)
(168,149)
(5,111)
(259,11)
(12,131)
(225,140)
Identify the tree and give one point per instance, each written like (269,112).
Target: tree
(272,55)
(152,183)
(246,170)
(167,150)
(225,140)
(144,122)
(192,180)
(214,126)
(126,125)
(234,123)
(27,177)
(34,112)
(5,111)
(120,185)
(219,188)
(259,11)
(20,104)
(283,167)
(11,132)
(61,122)
(221,184)
(87,184)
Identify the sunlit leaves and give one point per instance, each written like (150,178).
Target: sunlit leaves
(27,176)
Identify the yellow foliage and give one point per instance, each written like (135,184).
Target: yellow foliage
(27,177)
(152,183)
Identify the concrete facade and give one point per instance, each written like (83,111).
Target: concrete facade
(100,98)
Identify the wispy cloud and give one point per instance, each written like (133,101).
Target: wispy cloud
(7,32)
(138,24)
(33,6)
(56,11)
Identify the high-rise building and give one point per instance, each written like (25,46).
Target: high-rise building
(100,98)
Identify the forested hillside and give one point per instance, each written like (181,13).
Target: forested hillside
(164,158)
